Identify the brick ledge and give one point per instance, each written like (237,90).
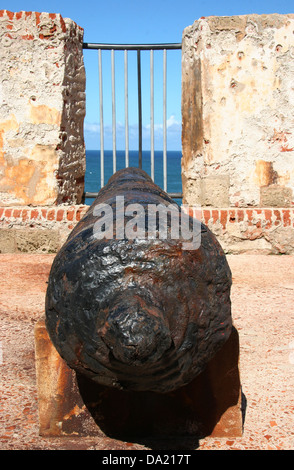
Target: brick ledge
(259,216)
(239,230)
(34,216)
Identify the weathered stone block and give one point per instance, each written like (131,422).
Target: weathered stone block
(7,241)
(215,191)
(33,240)
(209,191)
(275,196)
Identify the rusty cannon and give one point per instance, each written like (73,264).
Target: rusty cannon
(130,304)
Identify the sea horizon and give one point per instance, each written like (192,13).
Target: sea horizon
(92,176)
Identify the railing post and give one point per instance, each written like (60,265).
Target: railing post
(126,109)
(152,113)
(113,110)
(139,106)
(101,120)
(164,124)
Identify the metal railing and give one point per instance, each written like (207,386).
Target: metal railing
(126,48)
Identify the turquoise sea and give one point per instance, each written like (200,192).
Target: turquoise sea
(92,177)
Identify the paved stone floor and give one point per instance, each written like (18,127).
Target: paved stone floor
(262,310)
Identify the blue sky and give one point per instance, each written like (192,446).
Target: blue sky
(133,21)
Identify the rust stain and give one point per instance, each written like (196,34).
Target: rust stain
(264,173)
(285,148)
(9,124)
(43,114)
(76,411)
(192,120)
(27,180)
(281,138)
(20,173)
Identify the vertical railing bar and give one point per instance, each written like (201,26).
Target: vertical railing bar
(126,110)
(126,48)
(139,105)
(152,112)
(101,120)
(113,111)
(164,124)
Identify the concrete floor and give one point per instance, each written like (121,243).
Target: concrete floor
(263,313)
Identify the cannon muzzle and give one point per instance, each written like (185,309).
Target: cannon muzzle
(129,303)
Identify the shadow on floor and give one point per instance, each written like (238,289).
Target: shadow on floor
(175,420)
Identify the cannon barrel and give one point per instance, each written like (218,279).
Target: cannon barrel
(143,313)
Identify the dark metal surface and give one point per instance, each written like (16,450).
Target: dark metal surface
(138,314)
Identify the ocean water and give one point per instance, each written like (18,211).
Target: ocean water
(92,177)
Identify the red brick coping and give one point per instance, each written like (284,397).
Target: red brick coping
(36,216)
(264,218)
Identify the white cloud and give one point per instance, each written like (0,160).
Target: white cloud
(91,128)
(92,133)
(171,124)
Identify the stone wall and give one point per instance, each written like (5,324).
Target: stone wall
(238,107)
(42,108)
(237,111)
